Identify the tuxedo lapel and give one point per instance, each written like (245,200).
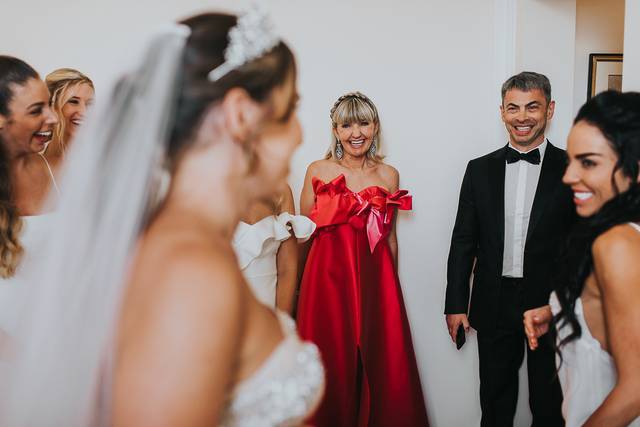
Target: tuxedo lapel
(551,173)
(496,189)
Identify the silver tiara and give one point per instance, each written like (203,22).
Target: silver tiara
(252,37)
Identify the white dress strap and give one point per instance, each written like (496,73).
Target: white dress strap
(636,226)
(53,179)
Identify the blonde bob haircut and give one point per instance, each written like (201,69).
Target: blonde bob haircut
(59,82)
(354,107)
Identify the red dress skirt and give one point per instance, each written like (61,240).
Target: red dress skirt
(351,306)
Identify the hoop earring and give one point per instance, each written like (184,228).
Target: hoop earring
(339,150)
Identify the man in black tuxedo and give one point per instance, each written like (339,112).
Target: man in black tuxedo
(513,215)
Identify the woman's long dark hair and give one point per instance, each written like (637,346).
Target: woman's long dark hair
(13,72)
(617,116)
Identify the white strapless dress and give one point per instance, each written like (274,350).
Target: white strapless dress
(256,246)
(9,288)
(285,390)
(10,302)
(587,372)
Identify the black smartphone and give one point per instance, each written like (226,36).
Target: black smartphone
(460,337)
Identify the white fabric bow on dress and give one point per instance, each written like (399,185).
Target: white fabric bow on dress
(250,239)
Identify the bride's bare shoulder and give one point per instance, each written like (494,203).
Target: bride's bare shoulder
(183,321)
(191,272)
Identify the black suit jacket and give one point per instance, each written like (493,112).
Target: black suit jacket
(478,235)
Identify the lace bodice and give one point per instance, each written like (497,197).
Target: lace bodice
(284,391)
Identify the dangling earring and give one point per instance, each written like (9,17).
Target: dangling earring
(373,148)
(160,183)
(339,150)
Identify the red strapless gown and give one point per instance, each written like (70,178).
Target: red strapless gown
(351,306)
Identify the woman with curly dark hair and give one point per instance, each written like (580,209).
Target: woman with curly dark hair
(595,307)
(26,125)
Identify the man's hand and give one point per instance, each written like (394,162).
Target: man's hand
(536,324)
(454,321)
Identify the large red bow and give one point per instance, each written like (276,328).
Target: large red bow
(377,214)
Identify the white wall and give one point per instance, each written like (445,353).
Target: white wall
(599,29)
(546,44)
(544,35)
(433,68)
(428,65)
(631,71)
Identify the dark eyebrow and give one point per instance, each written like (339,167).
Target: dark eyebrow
(532,103)
(37,104)
(585,155)
(511,104)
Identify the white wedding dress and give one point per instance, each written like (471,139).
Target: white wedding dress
(587,372)
(284,391)
(256,246)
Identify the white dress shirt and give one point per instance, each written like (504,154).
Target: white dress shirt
(520,184)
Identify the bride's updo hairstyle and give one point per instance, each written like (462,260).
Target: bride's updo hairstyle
(204,52)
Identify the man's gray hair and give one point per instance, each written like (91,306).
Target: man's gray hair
(527,81)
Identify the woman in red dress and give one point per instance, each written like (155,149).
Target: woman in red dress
(351,302)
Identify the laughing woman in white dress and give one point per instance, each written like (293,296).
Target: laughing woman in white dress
(266,244)
(595,306)
(26,124)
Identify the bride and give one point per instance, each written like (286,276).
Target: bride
(139,315)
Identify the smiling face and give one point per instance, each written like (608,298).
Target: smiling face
(525,115)
(591,170)
(356,137)
(29,125)
(355,125)
(78,99)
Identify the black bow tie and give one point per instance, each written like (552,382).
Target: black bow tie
(532,156)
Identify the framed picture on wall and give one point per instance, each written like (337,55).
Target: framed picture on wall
(605,73)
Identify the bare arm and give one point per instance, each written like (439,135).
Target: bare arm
(617,272)
(287,264)
(178,358)
(307,200)
(307,196)
(392,181)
